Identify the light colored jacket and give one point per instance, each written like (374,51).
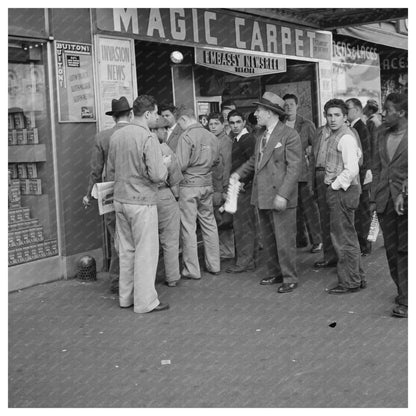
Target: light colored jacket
(135,163)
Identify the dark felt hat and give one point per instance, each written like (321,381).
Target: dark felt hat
(273,102)
(119,106)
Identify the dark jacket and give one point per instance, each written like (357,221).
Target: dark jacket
(307,131)
(388,175)
(365,140)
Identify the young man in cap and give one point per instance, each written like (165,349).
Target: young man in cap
(136,165)
(169,217)
(220,178)
(277,164)
(169,112)
(343,195)
(363,214)
(197,153)
(307,211)
(389,193)
(244,220)
(120,111)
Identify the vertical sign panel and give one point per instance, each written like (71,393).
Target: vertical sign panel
(74,74)
(116,74)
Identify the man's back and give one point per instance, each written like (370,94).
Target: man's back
(197,152)
(136,165)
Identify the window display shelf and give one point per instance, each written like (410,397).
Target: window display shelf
(27,153)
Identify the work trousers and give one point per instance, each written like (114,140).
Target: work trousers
(137,232)
(195,203)
(278,233)
(114,268)
(244,224)
(363,219)
(395,234)
(342,205)
(307,213)
(169,221)
(320,189)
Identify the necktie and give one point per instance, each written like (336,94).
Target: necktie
(263,145)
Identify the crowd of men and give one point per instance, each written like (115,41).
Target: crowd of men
(298,184)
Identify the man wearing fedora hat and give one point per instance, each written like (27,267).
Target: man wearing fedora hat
(136,164)
(120,111)
(277,165)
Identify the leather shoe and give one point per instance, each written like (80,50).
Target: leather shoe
(239,269)
(287,287)
(161,307)
(316,248)
(399,311)
(321,264)
(340,290)
(270,280)
(214,273)
(190,277)
(363,284)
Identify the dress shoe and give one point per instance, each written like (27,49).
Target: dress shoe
(190,277)
(399,311)
(214,273)
(171,284)
(316,248)
(321,264)
(270,280)
(340,290)
(161,307)
(287,287)
(239,269)
(126,307)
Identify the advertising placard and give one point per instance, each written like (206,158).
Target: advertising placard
(116,74)
(74,74)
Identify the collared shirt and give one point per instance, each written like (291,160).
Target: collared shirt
(265,139)
(242,133)
(351,154)
(170,130)
(269,130)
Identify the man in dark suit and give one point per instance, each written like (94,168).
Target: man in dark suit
(362,215)
(120,111)
(389,187)
(169,112)
(277,164)
(307,211)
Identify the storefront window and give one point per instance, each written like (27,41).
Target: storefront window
(31,199)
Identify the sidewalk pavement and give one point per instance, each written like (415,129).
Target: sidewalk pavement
(226,341)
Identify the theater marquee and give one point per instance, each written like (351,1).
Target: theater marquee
(217,28)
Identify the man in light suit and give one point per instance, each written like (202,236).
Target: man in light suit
(169,112)
(389,193)
(277,165)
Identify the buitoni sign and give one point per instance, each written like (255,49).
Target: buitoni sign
(217,28)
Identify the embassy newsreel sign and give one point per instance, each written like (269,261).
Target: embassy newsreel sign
(217,28)
(242,64)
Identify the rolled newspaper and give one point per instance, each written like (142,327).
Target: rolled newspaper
(230,205)
(374,228)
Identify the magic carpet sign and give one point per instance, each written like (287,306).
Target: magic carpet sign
(216,28)
(241,64)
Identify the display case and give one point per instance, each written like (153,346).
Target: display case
(31,195)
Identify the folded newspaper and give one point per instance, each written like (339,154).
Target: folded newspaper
(104,193)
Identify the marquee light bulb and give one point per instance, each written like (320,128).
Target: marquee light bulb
(176,57)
